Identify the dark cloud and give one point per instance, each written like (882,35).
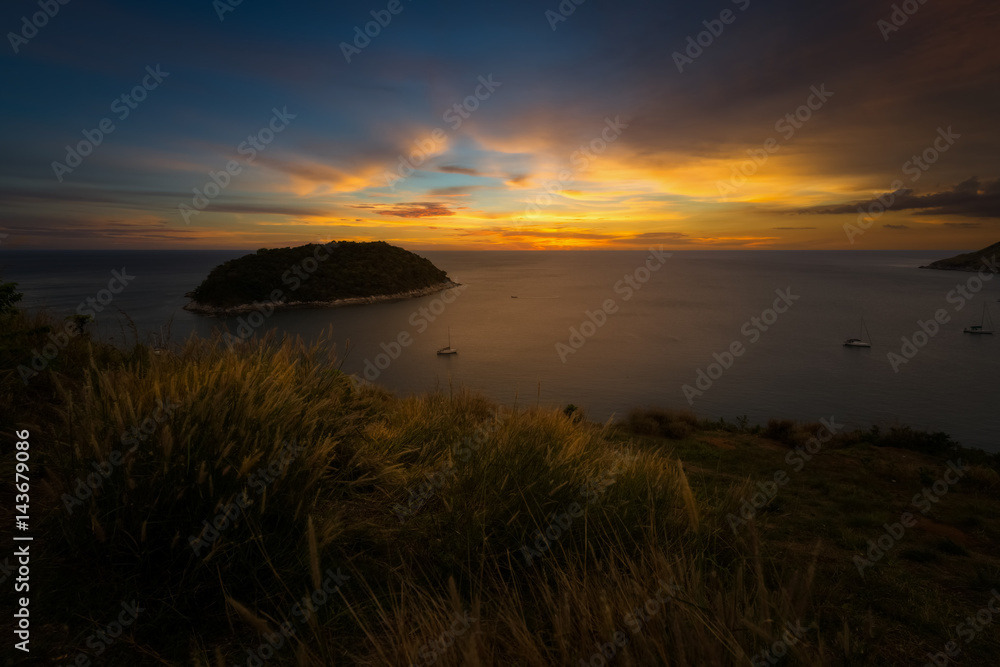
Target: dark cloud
(47,227)
(148,199)
(646,238)
(455,169)
(75,194)
(655,237)
(269,209)
(454,190)
(969,198)
(896,226)
(417,209)
(591,236)
(316,172)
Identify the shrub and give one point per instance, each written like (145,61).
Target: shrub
(949,546)
(673,424)
(781,430)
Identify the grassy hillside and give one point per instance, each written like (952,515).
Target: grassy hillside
(231,495)
(316,272)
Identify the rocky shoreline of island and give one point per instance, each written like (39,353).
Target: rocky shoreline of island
(278,304)
(980,261)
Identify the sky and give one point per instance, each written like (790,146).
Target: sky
(535,124)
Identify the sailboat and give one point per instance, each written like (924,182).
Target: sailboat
(860,342)
(981,327)
(449,349)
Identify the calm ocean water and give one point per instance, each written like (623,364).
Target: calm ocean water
(698,304)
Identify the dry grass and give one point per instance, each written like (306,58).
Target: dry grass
(610,526)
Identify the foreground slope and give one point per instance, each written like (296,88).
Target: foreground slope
(256,506)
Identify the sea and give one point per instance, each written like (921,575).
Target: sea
(727,334)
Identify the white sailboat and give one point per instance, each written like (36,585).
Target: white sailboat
(860,342)
(449,349)
(981,328)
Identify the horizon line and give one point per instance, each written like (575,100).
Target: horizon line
(671,249)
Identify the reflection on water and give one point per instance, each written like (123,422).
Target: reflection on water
(668,333)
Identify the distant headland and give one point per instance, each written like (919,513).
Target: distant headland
(985,259)
(317,275)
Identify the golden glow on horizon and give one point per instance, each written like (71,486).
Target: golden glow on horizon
(625,197)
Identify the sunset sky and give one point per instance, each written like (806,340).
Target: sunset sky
(589,130)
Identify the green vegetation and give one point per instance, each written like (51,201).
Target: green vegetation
(316,272)
(9,296)
(970,261)
(429,508)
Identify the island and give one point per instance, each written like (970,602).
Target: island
(317,275)
(980,260)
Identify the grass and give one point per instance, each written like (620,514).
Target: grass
(448,527)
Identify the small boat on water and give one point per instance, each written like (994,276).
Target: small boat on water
(981,328)
(157,344)
(449,349)
(860,342)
